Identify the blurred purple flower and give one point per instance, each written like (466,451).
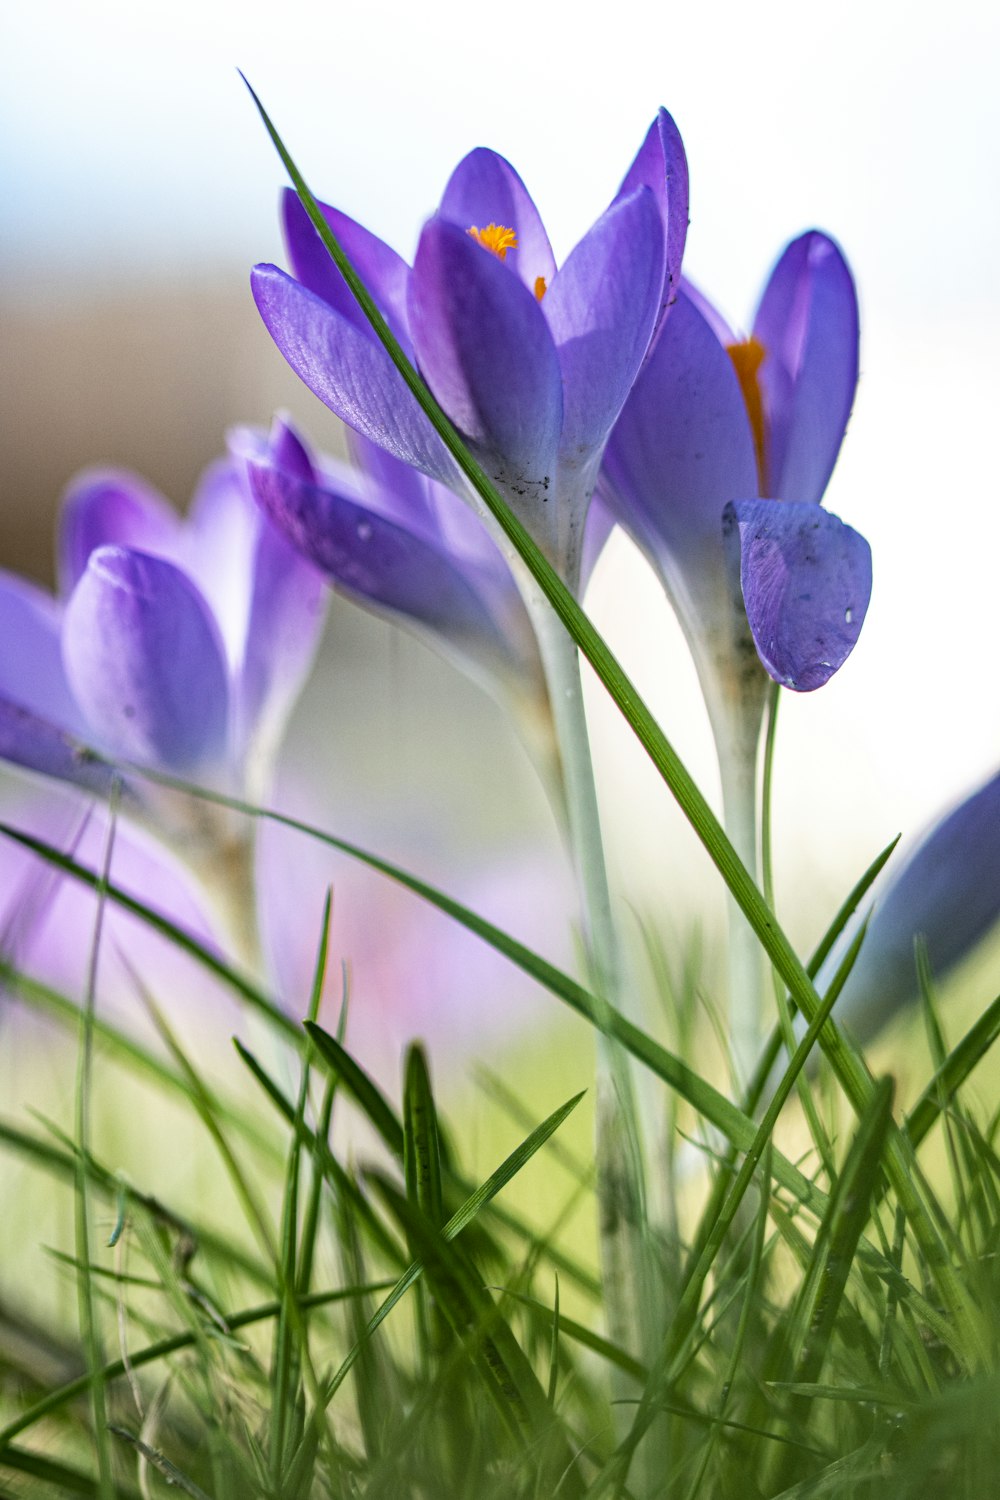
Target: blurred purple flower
(717,468)
(177,644)
(947,894)
(531,363)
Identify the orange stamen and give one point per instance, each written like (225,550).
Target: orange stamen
(495,238)
(747,357)
(540,287)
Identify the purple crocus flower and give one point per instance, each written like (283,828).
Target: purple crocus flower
(177,644)
(717,468)
(947,894)
(531,363)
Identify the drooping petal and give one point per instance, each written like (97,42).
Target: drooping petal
(682,447)
(661,164)
(484,189)
(348,371)
(31,667)
(947,893)
(601,309)
(384,273)
(30,740)
(377,561)
(485,349)
(145,661)
(111,508)
(807,322)
(806,581)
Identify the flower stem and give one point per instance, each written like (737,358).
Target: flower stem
(628,1272)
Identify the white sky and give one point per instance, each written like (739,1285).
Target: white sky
(129,147)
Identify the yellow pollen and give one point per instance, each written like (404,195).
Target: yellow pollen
(495,238)
(540,287)
(747,357)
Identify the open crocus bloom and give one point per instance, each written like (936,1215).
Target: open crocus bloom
(717,468)
(531,363)
(946,895)
(177,644)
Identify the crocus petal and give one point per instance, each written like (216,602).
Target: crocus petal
(485,349)
(111,508)
(374,559)
(384,273)
(806,580)
(947,893)
(31,667)
(144,658)
(349,372)
(682,446)
(220,539)
(484,189)
(661,165)
(601,309)
(30,740)
(807,322)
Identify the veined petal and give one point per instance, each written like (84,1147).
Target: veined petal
(601,309)
(485,349)
(31,667)
(484,189)
(384,273)
(807,322)
(111,508)
(661,165)
(806,580)
(30,740)
(682,446)
(145,661)
(947,893)
(375,560)
(351,373)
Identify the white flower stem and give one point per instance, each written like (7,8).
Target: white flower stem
(625,1253)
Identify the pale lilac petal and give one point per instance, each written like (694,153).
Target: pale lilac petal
(806,581)
(352,374)
(485,350)
(947,894)
(484,189)
(111,508)
(31,666)
(661,165)
(394,488)
(384,273)
(600,524)
(601,309)
(807,323)
(219,544)
(145,661)
(682,447)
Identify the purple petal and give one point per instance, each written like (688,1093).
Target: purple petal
(806,580)
(682,447)
(145,661)
(220,539)
(384,273)
(376,561)
(112,508)
(348,371)
(661,165)
(599,526)
(807,322)
(484,189)
(31,667)
(485,349)
(947,893)
(35,742)
(601,309)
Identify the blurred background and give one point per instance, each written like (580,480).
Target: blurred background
(139,188)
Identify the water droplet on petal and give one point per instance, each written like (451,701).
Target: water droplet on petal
(848,616)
